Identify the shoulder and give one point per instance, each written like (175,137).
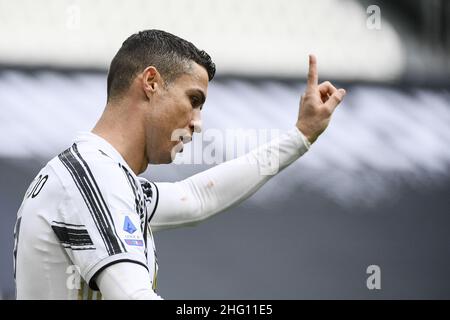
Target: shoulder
(84,169)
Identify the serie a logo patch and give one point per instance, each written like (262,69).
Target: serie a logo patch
(131,238)
(128,226)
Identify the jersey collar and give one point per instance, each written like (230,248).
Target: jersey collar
(103,146)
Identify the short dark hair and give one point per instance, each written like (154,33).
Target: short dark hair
(168,53)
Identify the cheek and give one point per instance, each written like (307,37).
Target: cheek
(181,115)
(174,115)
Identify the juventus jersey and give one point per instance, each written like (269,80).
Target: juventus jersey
(84,211)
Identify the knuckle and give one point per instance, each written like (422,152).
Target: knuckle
(337,98)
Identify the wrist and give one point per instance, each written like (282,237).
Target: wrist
(306,141)
(309,138)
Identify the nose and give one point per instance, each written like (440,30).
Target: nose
(196,122)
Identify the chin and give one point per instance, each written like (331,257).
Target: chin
(166,159)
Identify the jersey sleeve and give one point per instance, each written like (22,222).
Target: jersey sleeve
(98,223)
(126,281)
(201,196)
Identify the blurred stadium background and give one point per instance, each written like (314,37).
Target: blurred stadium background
(374,190)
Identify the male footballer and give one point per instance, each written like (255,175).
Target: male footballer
(84,229)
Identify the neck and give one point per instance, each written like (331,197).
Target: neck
(125,133)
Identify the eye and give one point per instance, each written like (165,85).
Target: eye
(195,101)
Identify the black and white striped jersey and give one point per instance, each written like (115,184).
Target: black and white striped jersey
(84,211)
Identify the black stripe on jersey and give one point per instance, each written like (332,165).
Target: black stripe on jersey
(102,200)
(16,243)
(70,162)
(69,224)
(156,204)
(73,237)
(140,207)
(91,198)
(103,153)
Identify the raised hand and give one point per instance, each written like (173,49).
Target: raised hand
(317,104)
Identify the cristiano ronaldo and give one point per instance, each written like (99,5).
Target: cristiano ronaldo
(84,229)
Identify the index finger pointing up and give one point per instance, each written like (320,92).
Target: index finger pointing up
(313,78)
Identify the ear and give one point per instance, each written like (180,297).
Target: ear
(151,79)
